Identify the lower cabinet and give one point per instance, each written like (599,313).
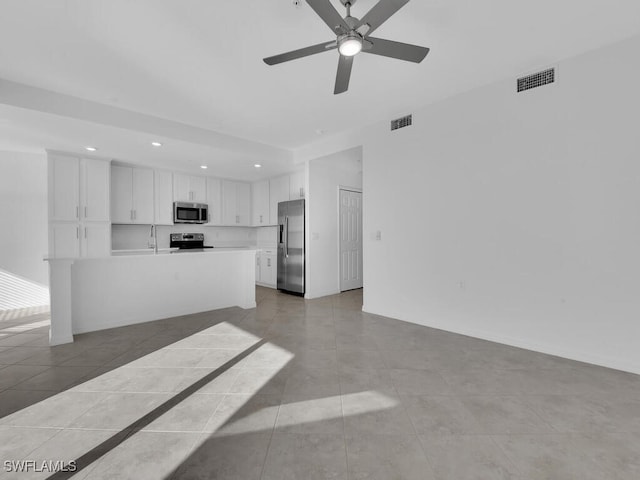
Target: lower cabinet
(73,240)
(266,268)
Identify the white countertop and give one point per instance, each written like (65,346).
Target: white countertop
(164,251)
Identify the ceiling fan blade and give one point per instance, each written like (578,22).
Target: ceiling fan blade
(381,12)
(399,50)
(303,52)
(343,75)
(330,15)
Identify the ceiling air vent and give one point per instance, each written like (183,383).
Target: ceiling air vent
(538,79)
(401,122)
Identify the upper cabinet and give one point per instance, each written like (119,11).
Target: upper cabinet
(260,203)
(79,210)
(278,192)
(214,200)
(64,188)
(236,203)
(296,186)
(188,188)
(132,195)
(79,189)
(163,193)
(94,190)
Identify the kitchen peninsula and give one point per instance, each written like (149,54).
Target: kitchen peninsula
(89,294)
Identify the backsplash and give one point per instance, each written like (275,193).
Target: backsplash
(125,237)
(266,237)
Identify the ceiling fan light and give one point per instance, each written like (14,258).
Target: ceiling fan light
(350,46)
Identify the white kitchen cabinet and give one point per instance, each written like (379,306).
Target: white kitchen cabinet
(214,200)
(64,240)
(79,206)
(258,256)
(64,188)
(94,190)
(78,189)
(163,194)
(236,203)
(296,186)
(266,268)
(95,240)
(142,195)
(278,192)
(73,239)
(121,194)
(132,196)
(244,203)
(268,272)
(260,203)
(189,188)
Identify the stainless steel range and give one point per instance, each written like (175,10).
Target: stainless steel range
(188,241)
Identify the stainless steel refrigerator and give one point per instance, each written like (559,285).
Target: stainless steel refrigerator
(291,247)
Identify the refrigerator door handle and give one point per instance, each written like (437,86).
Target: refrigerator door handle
(286,243)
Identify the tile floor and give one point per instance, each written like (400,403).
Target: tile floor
(308,390)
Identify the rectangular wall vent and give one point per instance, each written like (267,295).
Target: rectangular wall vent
(538,79)
(401,122)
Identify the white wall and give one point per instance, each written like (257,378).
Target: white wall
(326,175)
(23,230)
(514,217)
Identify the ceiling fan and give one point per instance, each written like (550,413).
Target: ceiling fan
(353,38)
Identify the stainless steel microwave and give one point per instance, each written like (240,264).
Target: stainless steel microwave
(184,212)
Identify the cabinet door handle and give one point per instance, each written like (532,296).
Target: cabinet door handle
(301,192)
(260,218)
(268,262)
(85,212)
(237,218)
(85,232)
(130,214)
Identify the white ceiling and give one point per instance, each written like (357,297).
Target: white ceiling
(199,63)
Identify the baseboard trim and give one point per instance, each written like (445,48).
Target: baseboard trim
(576,355)
(60,340)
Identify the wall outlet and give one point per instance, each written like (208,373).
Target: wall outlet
(378,235)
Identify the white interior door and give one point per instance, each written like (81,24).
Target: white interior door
(350,240)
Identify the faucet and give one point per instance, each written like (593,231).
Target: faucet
(153,239)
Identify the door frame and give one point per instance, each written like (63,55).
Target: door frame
(339,259)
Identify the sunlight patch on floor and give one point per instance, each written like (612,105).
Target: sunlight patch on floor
(96,410)
(25,327)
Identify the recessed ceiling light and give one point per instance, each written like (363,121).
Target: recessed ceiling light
(91,149)
(156,144)
(257,165)
(204,167)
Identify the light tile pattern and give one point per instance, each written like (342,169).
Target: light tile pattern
(317,389)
